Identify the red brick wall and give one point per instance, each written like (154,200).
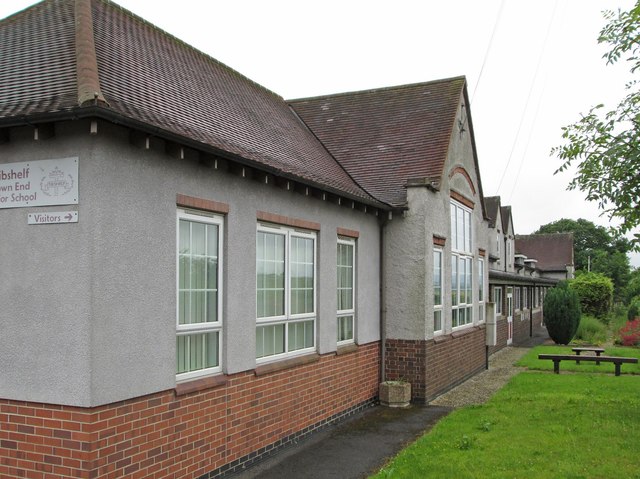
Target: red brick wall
(503,330)
(167,436)
(435,366)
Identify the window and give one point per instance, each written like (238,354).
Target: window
(481,290)
(461,266)
(285,291)
(346,288)
(497,299)
(199,305)
(437,290)
(516,300)
(525,297)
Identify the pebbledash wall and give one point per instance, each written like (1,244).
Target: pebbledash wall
(434,361)
(89,320)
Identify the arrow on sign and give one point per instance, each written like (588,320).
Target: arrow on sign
(69,217)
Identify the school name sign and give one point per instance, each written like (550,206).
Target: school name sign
(39,183)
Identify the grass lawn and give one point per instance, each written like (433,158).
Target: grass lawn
(538,426)
(531,361)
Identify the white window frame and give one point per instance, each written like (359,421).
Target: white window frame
(497,291)
(481,291)
(461,252)
(438,309)
(345,313)
(517,298)
(207,327)
(288,318)
(525,297)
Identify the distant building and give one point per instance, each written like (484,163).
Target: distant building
(554,253)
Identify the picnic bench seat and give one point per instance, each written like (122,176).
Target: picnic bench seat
(617,360)
(581,349)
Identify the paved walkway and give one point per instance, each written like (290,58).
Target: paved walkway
(361,445)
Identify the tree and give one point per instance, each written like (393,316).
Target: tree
(561,311)
(605,145)
(595,291)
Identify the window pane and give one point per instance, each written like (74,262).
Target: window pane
(184,235)
(300,335)
(270,274)
(437,320)
(197,272)
(480,280)
(454,280)
(454,234)
(345,328)
(462,278)
(301,271)
(197,351)
(467,231)
(198,238)
(182,352)
(269,340)
(345,276)
(460,228)
(437,278)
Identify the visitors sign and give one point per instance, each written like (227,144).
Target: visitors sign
(52,217)
(39,183)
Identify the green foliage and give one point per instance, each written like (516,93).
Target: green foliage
(605,145)
(596,249)
(632,289)
(595,291)
(543,426)
(561,312)
(634,309)
(591,331)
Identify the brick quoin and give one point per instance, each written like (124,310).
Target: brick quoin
(199,434)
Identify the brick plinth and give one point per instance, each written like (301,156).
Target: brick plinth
(201,434)
(435,366)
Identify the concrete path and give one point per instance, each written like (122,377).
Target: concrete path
(361,445)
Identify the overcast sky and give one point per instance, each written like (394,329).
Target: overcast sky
(531,68)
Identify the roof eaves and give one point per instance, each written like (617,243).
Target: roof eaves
(105,113)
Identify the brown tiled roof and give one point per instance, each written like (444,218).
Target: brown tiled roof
(153,80)
(505,213)
(386,136)
(38,60)
(492,205)
(553,251)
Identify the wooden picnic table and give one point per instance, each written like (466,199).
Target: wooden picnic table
(581,349)
(616,360)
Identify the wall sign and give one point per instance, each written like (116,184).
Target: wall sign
(52,217)
(39,183)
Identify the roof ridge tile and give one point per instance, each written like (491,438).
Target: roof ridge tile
(89,92)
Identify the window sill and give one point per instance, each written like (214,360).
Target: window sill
(467,329)
(200,384)
(282,365)
(346,349)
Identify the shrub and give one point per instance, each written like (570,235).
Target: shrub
(561,312)
(595,291)
(591,330)
(630,333)
(634,309)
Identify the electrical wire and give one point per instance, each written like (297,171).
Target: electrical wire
(486,55)
(531,86)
